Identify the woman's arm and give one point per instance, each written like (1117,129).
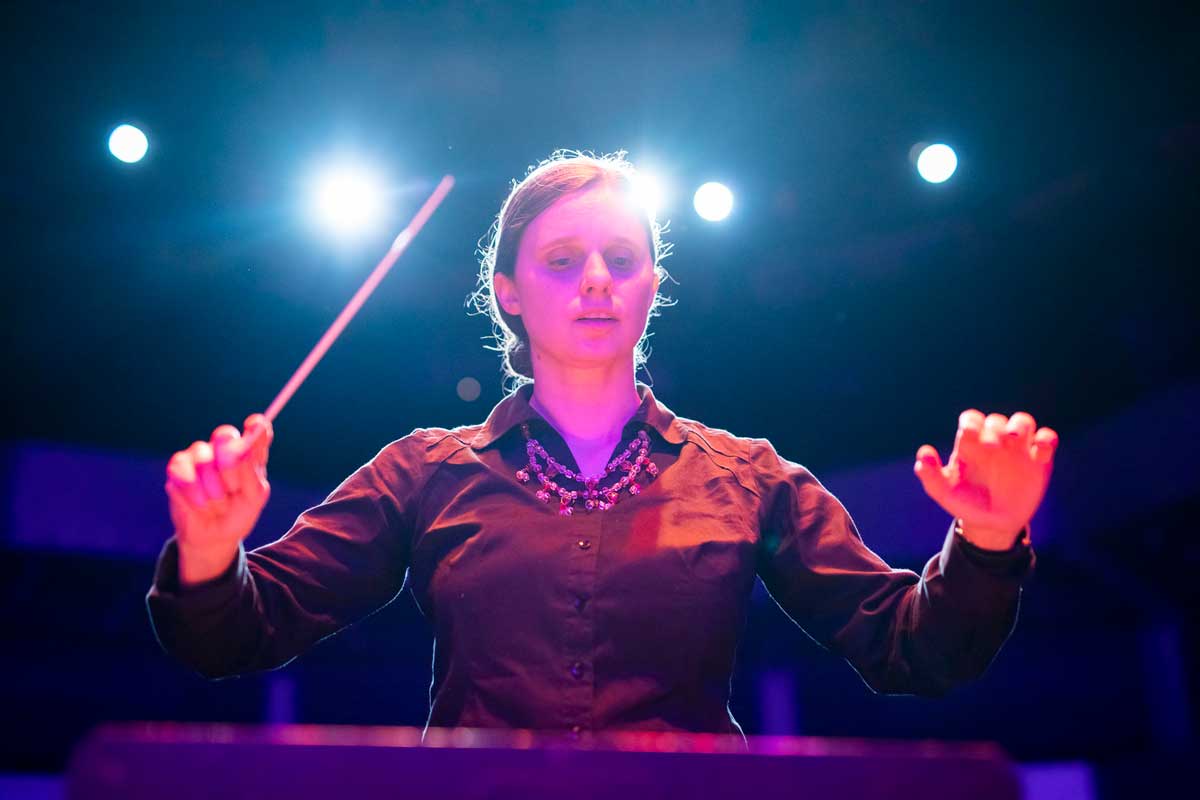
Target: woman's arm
(340,561)
(904,633)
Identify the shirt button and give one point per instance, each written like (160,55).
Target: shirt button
(579,601)
(577,669)
(584,544)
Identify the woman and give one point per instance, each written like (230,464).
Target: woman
(585,556)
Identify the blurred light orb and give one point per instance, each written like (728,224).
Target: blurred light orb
(468,389)
(937,163)
(347,200)
(128,144)
(713,201)
(648,194)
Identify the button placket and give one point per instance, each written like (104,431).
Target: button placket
(579,626)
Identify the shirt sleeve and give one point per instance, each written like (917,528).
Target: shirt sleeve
(903,633)
(342,560)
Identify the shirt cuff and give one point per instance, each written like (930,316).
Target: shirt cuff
(199,598)
(1017,561)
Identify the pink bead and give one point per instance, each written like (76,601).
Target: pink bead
(565,511)
(652,468)
(543,495)
(635,489)
(589,504)
(523,475)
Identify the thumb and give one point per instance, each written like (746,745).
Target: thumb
(253,479)
(928,469)
(259,435)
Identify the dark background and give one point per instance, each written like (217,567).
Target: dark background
(847,310)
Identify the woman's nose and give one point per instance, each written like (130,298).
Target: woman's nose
(596,277)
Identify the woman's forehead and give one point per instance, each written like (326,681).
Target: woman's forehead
(598,212)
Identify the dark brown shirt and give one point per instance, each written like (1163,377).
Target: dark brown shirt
(626,618)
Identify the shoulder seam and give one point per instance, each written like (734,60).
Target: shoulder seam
(700,430)
(696,434)
(432,467)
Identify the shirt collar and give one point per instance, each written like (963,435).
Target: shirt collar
(515,409)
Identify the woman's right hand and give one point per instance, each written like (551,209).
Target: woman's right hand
(216,491)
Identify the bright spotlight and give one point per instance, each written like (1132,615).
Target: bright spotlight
(648,193)
(128,144)
(346,200)
(937,163)
(713,201)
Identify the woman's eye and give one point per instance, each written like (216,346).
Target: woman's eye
(621,259)
(560,261)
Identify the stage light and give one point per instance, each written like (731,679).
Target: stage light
(937,163)
(713,201)
(346,200)
(128,144)
(648,193)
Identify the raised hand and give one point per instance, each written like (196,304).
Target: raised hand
(996,476)
(216,492)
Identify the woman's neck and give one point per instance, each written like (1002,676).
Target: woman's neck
(587,407)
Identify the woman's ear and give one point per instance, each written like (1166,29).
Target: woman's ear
(506,293)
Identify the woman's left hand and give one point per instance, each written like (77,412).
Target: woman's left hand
(996,477)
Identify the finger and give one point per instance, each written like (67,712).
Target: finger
(227,450)
(966,441)
(1019,431)
(928,469)
(181,472)
(206,472)
(178,505)
(1045,445)
(260,430)
(993,430)
(927,456)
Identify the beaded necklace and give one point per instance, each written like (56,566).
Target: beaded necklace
(594,496)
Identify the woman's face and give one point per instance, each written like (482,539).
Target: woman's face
(588,254)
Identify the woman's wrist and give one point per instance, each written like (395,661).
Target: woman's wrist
(988,538)
(197,567)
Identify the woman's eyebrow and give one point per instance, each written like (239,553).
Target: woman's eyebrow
(572,239)
(627,242)
(558,242)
